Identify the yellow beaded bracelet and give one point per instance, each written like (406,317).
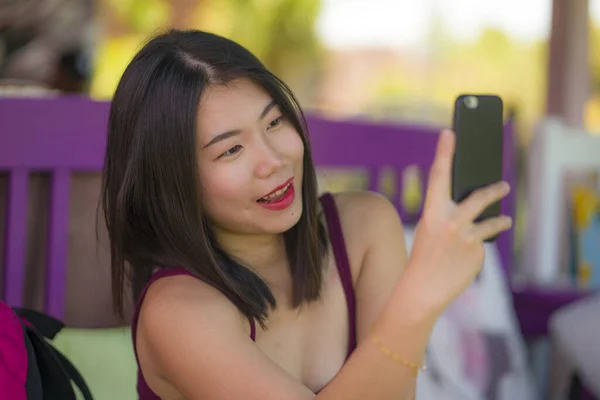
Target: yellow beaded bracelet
(414,367)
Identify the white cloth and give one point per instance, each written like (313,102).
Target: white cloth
(476,350)
(574,332)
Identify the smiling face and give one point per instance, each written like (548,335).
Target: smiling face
(250,160)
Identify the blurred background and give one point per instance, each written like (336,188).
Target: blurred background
(381,59)
(379,63)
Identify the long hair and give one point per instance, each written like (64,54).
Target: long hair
(150,186)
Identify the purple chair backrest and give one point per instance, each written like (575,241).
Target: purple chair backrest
(57,136)
(68,134)
(381,147)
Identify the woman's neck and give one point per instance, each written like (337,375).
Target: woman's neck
(265,255)
(261,253)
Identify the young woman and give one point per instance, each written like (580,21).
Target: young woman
(248,285)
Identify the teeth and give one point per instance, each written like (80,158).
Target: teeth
(278,193)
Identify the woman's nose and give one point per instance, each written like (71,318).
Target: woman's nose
(268,160)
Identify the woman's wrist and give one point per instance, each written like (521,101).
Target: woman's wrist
(409,308)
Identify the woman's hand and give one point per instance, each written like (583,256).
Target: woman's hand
(448,248)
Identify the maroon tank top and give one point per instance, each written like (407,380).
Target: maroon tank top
(343,265)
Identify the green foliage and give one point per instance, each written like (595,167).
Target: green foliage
(281,33)
(594,55)
(141,16)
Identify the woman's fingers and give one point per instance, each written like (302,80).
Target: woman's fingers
(490,227)
(440,176)
(470,208)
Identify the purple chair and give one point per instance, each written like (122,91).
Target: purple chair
(57,136)
(68,134)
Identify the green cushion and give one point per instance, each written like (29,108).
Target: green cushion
(105,359)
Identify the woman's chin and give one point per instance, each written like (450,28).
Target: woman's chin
(283,222)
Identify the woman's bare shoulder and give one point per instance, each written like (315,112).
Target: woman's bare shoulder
(363,215)
(356,206)
(176,298)
(196,345)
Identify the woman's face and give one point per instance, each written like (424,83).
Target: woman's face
(250,160)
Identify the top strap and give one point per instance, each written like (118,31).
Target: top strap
(338,245)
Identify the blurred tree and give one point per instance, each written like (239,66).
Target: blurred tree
(281,33)
(127,17)
(594,54)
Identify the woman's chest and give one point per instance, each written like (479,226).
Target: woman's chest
(310,343)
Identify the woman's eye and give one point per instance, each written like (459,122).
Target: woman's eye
(275,123)
(232,151)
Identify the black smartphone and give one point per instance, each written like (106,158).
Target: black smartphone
(479,128)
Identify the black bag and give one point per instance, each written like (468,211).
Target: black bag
(49,374)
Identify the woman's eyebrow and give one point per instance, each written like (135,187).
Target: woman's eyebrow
(226,135)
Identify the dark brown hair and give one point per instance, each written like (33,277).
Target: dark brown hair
(150,197)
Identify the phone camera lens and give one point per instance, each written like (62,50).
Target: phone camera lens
(471,102)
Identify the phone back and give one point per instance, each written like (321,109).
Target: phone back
(479,128)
